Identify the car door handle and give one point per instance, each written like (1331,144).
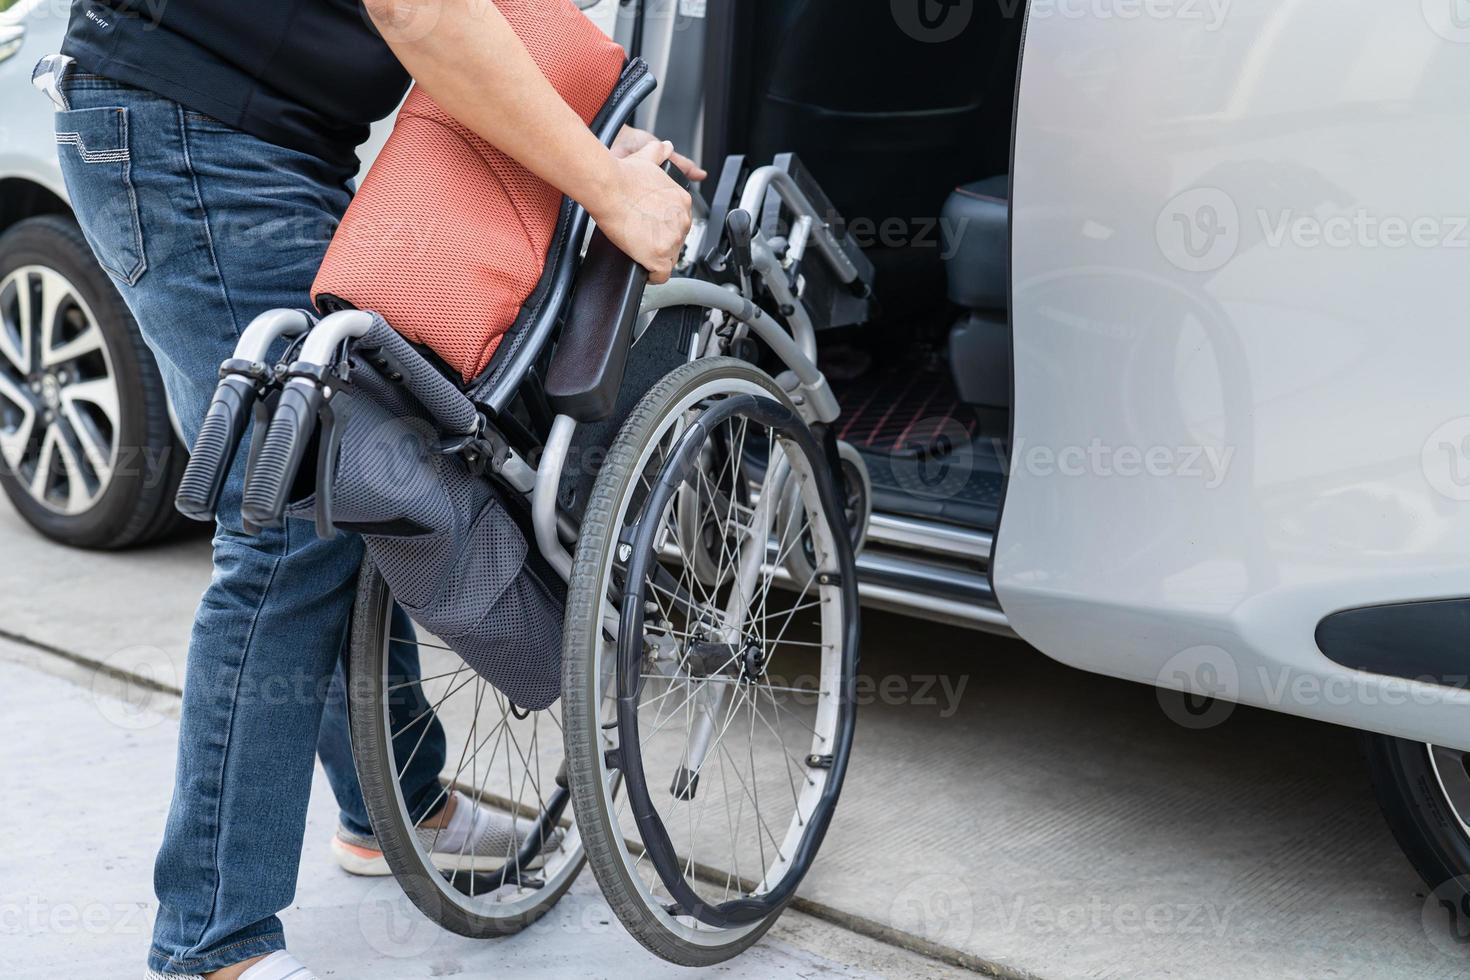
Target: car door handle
(11,36)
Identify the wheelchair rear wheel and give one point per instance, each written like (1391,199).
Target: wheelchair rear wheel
(709,710)
(526,852)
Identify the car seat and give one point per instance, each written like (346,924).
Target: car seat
(976,224)
(892,117)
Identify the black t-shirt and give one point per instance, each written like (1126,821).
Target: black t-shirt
(307,74)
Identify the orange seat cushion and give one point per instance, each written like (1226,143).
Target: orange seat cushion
(448,236)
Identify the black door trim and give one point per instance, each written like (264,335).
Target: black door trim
(1426,640)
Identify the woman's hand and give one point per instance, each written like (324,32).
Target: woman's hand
(631,140)
(643,211)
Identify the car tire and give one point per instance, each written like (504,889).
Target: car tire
(76,501)
(1424,793)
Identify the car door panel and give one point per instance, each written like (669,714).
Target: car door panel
(1238,257)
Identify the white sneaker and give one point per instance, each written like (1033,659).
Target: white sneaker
(475,839)
(279,965)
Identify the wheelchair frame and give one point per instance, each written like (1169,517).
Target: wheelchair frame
(593,309)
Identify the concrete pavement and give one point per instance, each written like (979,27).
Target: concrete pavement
(88,777)
(1002,811)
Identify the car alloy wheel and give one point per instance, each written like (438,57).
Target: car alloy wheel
(59,421)
(88,454)
(1452,769)
(1424,792)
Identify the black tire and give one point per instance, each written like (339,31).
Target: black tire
(376,773)
(136,504)
(601,833)
(1428,824)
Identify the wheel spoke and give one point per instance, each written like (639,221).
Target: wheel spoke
(101,392)
(45,460)
(14,442)
(88,341)
(418,681)
(434,708)
(95,446)
(58,460)
(54,291)
(17,335)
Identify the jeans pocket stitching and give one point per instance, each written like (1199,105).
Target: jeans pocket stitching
(141,266)
(93,156)
(121,155)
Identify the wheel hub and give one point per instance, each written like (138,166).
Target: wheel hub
(51,392)
(708,658)
(753,663)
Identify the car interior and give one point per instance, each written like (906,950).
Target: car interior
(910,138)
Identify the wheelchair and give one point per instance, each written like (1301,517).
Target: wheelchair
(640,637)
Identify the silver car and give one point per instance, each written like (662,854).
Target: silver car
(88,453)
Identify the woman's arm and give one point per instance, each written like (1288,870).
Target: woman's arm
(465,55)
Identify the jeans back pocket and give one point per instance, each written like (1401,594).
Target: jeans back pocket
(96,163)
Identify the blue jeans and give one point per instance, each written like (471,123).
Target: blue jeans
(203,227)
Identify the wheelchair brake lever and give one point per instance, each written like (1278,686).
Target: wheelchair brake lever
(263,410)
(334,415)
(741,228)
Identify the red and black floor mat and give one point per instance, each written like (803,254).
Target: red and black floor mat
(908,413)
(925,449)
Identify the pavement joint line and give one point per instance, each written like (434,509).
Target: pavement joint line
(853,923)
(116,673)
(889,936)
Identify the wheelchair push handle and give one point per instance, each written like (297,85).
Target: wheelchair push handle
(242,379)
(273,469)
(214,448)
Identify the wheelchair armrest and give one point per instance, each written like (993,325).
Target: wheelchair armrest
(587,369)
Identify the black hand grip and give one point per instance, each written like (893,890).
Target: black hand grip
(214,449)
(273,470)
